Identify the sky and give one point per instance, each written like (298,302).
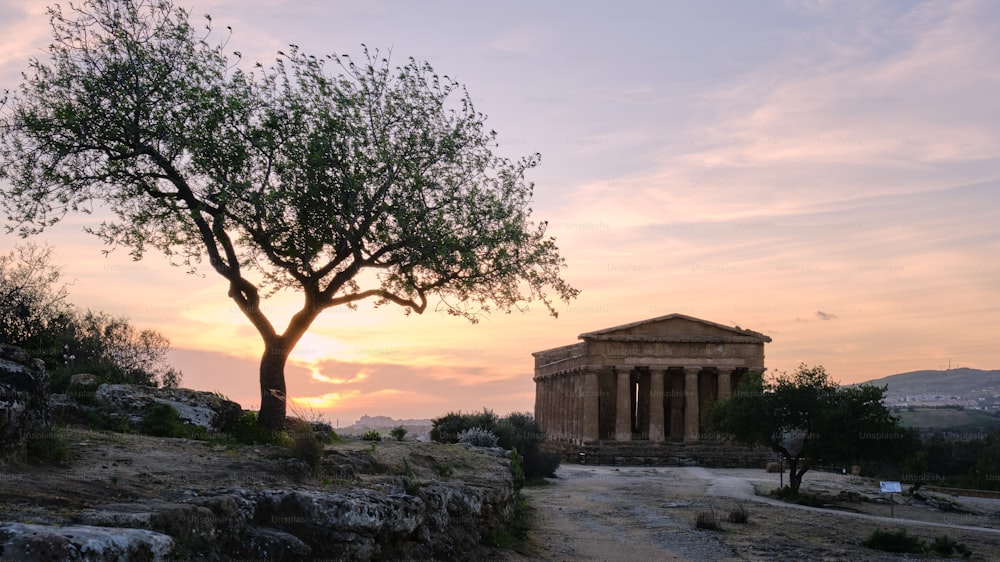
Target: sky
(827,173)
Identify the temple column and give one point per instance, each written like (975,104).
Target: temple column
(568,407)
(591,411)
(725,382)
(574,407)
(691,413)
(623,413)
(561,421)
(546,415)
(539,401)
(676,406)
(656,405)
(580,403)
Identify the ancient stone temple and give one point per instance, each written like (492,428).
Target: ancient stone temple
(645,381)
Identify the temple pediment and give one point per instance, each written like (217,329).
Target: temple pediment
(676,328)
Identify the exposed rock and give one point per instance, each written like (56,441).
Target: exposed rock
(196,407)
(63,409)
(24,399)
(30,543)
(83,380)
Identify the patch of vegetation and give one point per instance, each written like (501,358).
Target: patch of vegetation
(445,469)
(398,433)
(516,470)
(787,495)
(246,431)
(894,541)
(163,420)
(708,521)
(411,486)
(406,470)
(515,535)
(947,547)
(739,514)
(372,435)
(517,431)
(307,447)
(478,437)
(46,444)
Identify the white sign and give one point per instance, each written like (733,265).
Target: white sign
(890,487)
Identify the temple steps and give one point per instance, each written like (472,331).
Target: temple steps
(706,453)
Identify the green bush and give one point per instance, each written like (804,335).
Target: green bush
(372,435)
(894,541)
(446,428)
(45,444)
(478,437)
(163,420)
(246,431)
(516,470)
(946,546)
(398,433)
(516,431)
(307,447)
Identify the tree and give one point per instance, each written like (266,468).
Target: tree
(810,420)
(113,347)
(33,308)
(371,182)
(35,315)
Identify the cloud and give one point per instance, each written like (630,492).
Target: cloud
(825,315)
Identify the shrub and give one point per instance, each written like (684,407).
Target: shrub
(398,433)
(246,431)
(45,444)
(446,428)
(708,521)
(516,470)
(516,431)
(372,435)
(946,546)
(739,514)
(786,494)
(163,420)
(445,469)
(478,437)
(894,541)
(306,446)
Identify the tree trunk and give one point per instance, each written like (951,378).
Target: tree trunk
(272,387)
(794,476)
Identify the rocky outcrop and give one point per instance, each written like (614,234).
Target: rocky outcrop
(20,541)
(205,409)
(24,395)
(444,520)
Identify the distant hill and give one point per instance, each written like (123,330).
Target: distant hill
(958,403)
(974,388)
(386,422)
(961,425)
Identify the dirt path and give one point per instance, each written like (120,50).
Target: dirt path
(645,513)
(602,513)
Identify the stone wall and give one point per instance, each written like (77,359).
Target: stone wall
(24,393)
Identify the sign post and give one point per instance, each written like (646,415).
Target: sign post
(890,488)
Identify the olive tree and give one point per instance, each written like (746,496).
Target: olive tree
(337,179)
(810,420)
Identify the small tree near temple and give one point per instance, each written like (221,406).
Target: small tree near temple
(810,420)
(338,180)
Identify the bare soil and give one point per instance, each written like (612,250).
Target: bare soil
(643,513)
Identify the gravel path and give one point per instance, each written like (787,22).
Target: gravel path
(648,513)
